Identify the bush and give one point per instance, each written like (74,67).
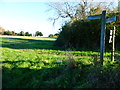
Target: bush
(38,33)
(51,35)
(55,35)
(80,34)
(22,33)
(86,34)
(8,32)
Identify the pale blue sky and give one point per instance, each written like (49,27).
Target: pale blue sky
(27,16)
(23,15)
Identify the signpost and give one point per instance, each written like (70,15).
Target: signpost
(110,40)
(94,17)
(112,19)
(102,38)
(113,44)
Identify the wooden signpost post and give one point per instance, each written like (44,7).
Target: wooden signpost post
(102,38)
(112,40)
(113,44)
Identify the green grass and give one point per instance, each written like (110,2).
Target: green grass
(34,62)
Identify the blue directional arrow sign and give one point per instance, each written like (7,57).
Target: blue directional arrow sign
(102,38)
(112,19)
(94,17)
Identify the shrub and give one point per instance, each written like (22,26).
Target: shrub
(86,34)
(80,34)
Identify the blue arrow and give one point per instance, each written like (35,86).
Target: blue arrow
(112,19)
(94,17)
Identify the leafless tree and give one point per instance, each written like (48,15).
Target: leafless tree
(78,10)
(2,30)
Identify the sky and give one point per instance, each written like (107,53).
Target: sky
(28,16)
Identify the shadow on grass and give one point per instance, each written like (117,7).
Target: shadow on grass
(53,77)
(20,43)
(27,78)
(58,76)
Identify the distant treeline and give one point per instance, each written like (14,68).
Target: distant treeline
(54,35)
(16,34)
(21,33)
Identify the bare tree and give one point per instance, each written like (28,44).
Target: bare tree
(119,5)
(78,10)
(2,30)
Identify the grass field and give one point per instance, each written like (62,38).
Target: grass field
(34,62)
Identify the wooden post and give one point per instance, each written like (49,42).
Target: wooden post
(113,44)
(102,39)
